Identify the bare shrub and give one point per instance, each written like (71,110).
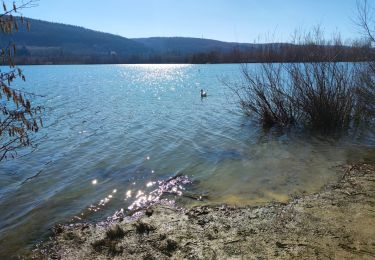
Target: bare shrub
(266,95)
(320,93)
(324,93)
(365,109)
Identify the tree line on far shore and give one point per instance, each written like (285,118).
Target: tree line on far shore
(261,53)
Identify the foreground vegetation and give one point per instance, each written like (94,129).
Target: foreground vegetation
(19,118)
(324,96)
(320,93)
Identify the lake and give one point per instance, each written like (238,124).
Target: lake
(114,134)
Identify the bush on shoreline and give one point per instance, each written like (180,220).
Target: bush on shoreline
(322,96)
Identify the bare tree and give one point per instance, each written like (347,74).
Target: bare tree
(365,20)
(18,117)
(366,93)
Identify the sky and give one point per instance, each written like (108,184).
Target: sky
(226,20)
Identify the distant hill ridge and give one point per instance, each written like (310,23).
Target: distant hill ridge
(188,45)
(56,43)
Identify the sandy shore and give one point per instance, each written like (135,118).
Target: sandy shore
(336,223)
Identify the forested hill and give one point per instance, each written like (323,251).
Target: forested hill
(55,43)
(49,42)
(186,46)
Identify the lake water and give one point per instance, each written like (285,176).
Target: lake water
(114,133)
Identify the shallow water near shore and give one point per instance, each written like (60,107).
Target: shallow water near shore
(114,133)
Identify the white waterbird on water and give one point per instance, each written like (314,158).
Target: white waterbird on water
(203,93)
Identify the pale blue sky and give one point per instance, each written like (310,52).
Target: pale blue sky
(228,20)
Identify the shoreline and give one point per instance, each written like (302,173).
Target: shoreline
(174,63)
(337,222)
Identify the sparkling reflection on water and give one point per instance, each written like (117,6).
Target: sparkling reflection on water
(116,137)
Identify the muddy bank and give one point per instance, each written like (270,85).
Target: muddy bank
(337,223)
